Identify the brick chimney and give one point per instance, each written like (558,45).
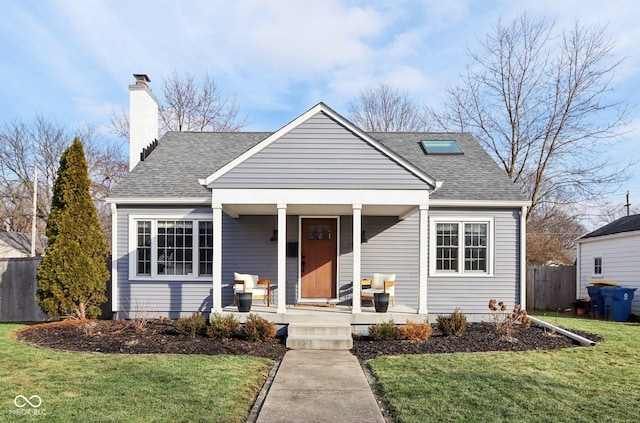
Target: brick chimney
(143,118)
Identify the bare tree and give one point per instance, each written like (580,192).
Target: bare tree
(190,106)
(539,101)
(384,109)
(23,145)
(119,123)
(552,232)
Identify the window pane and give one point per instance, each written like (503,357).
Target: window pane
(175,238)
(205,249)
(475,247)
(144,247)
(597,265)
(447,247)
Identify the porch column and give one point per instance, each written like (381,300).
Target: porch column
(216,293)
(282,258)
(357,259)
(423,263)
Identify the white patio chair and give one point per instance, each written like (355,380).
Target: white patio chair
(381,283)
(260,288)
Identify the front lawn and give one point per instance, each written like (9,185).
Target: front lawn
(600,383)
(79,387)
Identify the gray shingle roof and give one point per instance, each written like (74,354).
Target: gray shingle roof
(473,175)
(181,158)
(624,224)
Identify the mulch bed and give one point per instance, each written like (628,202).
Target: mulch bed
(160,337)
(156,337)
(479,337)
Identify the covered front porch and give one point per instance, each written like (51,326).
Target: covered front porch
(348,208)
(328,314)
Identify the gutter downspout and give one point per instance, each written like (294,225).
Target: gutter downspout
(582,340)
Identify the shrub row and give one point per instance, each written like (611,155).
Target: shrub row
(388,331)
(226,326)
(453,324)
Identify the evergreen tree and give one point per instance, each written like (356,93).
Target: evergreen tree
(73,273)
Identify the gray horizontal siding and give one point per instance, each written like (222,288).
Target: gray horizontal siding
(247,248)
(320,153)
(472,294)
(391,247)
(161,297)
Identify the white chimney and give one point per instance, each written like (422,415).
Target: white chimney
(143,118)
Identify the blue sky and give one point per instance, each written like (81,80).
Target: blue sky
(72,60)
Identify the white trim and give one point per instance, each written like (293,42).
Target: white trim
(423,258)
(437,202)
(461,220)
(357,258)
(608,237)
(216,277)
(578,269)
(523,257)
(282,258)
(153,218)
(320,107)
(160,200)
(299,289)
(114,258)
(321,196)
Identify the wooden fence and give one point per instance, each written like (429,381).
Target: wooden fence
(18,288)
(550,288)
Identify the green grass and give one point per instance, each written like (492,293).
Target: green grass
(78,387)
(586,384)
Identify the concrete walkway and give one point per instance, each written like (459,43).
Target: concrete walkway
(320,386)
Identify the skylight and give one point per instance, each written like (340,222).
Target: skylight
(440,147)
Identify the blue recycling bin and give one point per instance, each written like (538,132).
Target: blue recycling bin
(597,301)
(617,302)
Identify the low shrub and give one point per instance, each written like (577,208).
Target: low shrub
(258,328)
(223,326)
(453,324)
(414,331)
(191,326)
(386,331)
(506,321)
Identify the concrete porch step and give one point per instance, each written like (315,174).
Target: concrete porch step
(319,336)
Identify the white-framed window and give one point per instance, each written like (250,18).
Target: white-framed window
(177,248)
(461,246)
(597,265)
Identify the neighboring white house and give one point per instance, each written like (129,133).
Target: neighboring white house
(611,253)
(18,244)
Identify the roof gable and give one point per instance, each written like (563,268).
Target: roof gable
(184,163)
(308,122)
(624,224)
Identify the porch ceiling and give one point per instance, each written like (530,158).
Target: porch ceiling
(236,210)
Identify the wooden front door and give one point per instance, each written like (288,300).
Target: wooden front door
(318,261)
